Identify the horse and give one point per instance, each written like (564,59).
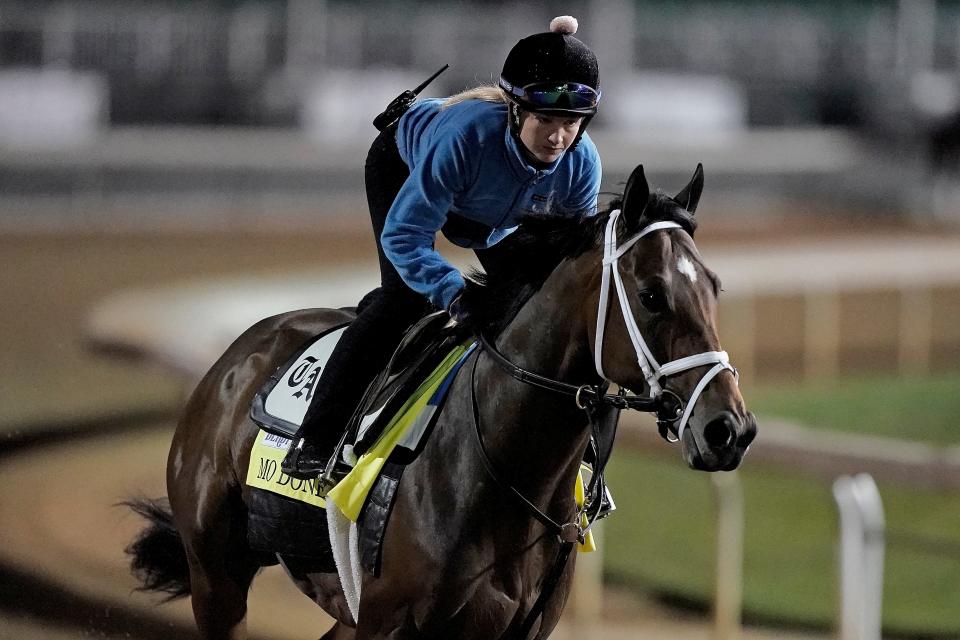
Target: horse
(464,555)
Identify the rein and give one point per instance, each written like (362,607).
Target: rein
(568,533)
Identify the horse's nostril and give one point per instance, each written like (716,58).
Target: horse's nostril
(749,433)
(719,432)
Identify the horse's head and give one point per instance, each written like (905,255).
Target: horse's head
(656,330)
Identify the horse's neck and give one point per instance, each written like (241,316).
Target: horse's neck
(540,435)
(549,333)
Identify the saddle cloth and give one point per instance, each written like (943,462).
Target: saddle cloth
(355,537)
(405,430)
(282,403)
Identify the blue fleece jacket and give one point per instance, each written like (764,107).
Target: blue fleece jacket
(470,180)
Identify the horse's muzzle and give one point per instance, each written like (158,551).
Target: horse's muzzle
(720,444)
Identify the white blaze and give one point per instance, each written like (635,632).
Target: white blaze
(685,266)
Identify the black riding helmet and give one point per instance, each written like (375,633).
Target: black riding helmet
(552,73)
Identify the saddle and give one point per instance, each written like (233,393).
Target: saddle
(422,349)
(279,407)
(430,345)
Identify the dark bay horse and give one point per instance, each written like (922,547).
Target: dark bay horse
(613,295)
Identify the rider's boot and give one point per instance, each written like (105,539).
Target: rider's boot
(363,350)
(316,445)
(304,460)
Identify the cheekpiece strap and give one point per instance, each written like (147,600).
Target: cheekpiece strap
(611,255)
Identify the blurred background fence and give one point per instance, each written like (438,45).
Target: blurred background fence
(291,86)
(874,64)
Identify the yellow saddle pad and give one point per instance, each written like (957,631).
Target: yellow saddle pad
(405,429)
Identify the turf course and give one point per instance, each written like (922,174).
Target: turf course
(919,408)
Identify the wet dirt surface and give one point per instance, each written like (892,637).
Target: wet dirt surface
(65,574)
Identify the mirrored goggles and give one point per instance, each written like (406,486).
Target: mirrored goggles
(561,96)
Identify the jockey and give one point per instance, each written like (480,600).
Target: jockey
(468,166)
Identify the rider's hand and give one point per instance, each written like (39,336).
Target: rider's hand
(466,300)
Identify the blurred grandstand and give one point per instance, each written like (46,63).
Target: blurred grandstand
(261,107)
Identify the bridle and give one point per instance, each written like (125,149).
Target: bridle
(593,399)
(669,407)
(653,372)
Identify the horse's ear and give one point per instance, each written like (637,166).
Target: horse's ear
(689,197)
(635,197)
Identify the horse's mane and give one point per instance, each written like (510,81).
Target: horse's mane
(540,244)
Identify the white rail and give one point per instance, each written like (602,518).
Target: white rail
(728,578)
(861,556)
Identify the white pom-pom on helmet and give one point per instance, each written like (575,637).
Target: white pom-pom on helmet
(566,25)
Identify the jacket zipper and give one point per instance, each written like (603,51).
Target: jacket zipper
(523,189)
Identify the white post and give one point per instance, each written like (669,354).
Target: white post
(871,510)
(851,540)
(728,599)
(861,556)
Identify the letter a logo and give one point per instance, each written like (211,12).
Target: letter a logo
(306,391)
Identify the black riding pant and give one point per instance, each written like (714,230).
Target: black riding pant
(384,314)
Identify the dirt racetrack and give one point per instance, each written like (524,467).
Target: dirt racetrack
(63,528)
(81,529)
(61,537)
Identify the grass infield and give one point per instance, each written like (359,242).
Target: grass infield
(909,408)
(661,541)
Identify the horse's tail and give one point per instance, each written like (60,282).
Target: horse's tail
(157,557)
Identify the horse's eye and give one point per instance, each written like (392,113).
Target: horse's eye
(653,300)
